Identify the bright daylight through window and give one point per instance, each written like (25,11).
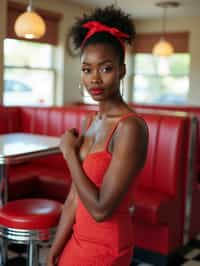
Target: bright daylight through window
(29,76)
(161,80)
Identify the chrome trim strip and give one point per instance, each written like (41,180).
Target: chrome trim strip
(3,184)
(189,180)
(25,236)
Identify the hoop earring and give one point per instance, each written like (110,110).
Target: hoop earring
(122,87)
(81,90)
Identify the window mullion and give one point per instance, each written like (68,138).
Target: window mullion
(29,68)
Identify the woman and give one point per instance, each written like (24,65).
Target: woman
(95,227)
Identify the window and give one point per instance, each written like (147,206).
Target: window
(29,76)
(161,80)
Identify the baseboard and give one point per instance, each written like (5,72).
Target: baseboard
(154,258)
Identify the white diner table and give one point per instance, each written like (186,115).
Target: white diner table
(20,147)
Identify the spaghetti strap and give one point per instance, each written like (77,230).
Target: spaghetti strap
(115,126)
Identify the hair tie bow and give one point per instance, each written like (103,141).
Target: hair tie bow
(95,26)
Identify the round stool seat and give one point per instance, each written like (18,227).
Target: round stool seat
(30,214)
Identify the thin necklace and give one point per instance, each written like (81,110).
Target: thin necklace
(96,125)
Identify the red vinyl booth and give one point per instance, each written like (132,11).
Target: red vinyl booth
(194,227)
(160,197)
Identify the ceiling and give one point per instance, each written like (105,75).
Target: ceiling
(145,8)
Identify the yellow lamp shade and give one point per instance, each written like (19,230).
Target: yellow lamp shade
(30,25)
(163,48)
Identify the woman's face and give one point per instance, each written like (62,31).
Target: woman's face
(101,71)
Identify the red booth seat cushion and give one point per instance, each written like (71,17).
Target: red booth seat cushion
(37,179)
(31,214)
(152,207)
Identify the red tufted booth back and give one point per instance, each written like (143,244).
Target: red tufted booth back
(9,119)
(52,121)
(166,133)
(167,148)
(162,182)
(191,110)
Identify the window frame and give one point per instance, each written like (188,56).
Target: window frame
(32,68)
(159,77)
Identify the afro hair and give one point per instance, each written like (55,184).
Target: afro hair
(109,16)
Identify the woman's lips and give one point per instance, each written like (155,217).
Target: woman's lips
(96,91)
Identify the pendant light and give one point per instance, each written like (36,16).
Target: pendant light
(163,47)
(29,24)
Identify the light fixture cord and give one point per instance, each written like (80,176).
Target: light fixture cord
(30,6)
(115,3)
(164,20)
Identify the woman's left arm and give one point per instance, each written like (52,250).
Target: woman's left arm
(128,157)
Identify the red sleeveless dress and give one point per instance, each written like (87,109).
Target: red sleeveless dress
(108,243)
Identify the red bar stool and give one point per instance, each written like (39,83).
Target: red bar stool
(28,221)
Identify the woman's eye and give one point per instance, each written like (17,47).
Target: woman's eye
(106,69)
(86,70)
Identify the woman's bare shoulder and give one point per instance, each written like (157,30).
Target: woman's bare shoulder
(132,124)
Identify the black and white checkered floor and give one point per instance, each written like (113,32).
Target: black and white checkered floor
(191,258)
(188,256)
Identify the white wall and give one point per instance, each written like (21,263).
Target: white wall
(190,24)
(2,36)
